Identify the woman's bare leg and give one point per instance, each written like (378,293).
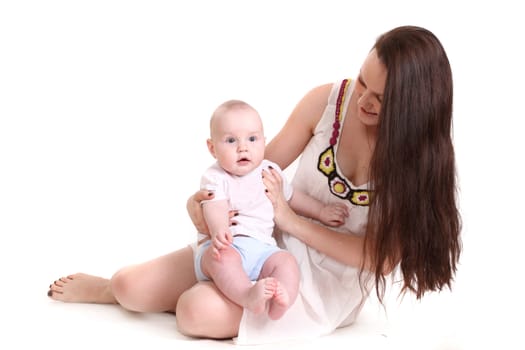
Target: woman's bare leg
(153,286)
(82,288)
(204,312)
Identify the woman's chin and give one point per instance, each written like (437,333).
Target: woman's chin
(369,119)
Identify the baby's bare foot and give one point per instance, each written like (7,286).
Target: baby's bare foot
(279,303)
(262,291)
(82,288)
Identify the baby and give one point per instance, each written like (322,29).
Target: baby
(243,258)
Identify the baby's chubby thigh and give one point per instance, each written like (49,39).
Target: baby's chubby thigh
(283,266)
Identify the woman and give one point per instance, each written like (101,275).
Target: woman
(382,145)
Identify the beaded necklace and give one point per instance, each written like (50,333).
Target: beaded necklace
(337,184)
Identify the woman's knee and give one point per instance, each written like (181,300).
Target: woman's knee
(204,312)
(122,283)
(154,286)
(130,288)
(188,310)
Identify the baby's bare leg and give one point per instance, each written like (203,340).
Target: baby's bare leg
(143,287)
(282,266)
(230,278)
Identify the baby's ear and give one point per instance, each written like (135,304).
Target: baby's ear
(211,147)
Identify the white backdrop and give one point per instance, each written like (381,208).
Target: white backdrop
(104,109)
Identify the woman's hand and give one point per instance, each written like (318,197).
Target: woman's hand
(194,208)
(274,191)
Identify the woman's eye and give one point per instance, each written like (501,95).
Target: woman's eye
(360,81)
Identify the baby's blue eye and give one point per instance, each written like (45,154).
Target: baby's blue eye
(252,138)
(230,140)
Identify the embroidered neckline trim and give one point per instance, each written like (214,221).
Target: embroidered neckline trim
(326,164)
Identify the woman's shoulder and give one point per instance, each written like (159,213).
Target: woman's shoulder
(322,94)
(319,92)
(311,107)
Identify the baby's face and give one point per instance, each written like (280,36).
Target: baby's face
(237,140)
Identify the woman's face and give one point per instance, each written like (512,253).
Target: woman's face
(370,86)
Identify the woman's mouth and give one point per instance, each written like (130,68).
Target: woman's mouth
(371,114)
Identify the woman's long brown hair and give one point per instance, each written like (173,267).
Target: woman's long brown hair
(414,218)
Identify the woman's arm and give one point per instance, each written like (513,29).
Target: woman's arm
(329,214)
(290,142)
(343,247)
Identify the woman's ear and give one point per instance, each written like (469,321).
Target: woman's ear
(211,147)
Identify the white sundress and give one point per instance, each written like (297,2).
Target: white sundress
(330,294)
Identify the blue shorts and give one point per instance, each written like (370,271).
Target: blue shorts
(253,254)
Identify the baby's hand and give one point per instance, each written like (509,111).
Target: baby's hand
(334,214)
(219,241)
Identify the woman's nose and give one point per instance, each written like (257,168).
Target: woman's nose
(364,101)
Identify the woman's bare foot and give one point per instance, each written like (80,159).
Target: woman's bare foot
(279,303)
(82,288)
(262,291)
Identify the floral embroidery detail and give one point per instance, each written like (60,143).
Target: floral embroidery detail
(360,197)
(338,186)
(326,161)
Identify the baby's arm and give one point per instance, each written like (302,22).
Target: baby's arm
(329,214)
(216,214)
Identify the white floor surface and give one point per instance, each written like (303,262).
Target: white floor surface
(104,109)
